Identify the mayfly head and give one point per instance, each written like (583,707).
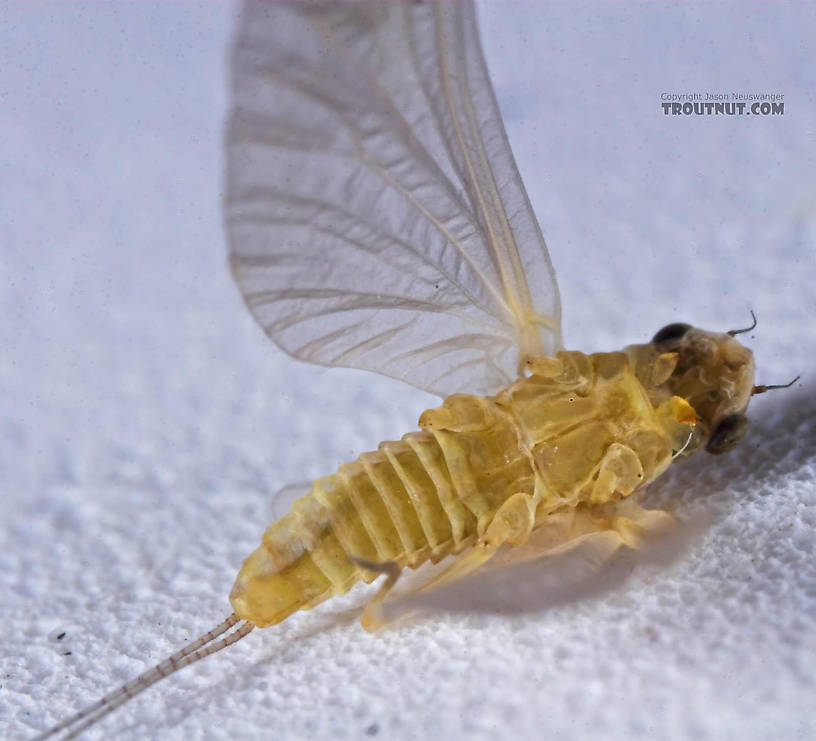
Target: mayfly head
(711,371)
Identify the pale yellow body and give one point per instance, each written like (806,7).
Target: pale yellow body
(579,431)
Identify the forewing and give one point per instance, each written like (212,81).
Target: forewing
(375,215)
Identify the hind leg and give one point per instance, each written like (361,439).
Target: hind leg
(512,524)
(372,618)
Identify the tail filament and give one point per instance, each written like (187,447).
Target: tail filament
(195,651)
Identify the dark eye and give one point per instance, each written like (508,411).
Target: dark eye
(671,332)
(728,434)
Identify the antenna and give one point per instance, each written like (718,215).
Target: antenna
(733,332)
(762,389)
(191,653)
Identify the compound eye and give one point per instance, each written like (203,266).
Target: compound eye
(671,332)
(728,434)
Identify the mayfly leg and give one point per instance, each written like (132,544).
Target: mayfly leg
(372,618)
(191,653)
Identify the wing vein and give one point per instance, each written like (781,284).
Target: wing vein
(375,301)
(385,97)
(364,158)
(519,283)
(372,341)
(500,300)
(445,77)
(284,197)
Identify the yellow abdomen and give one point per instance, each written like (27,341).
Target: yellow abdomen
(580,429)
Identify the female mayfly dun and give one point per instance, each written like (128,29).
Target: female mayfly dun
(376,220)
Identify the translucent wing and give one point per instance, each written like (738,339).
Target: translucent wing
(375,215)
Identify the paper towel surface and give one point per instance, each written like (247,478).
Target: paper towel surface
(146,422)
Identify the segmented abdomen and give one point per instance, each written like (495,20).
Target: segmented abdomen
(584,422)
(419,498)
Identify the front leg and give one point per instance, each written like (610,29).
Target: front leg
(633,524)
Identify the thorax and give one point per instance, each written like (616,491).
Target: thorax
(571,412)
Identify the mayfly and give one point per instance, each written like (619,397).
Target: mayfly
(376,220)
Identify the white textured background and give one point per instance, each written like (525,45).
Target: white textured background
(145,422)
